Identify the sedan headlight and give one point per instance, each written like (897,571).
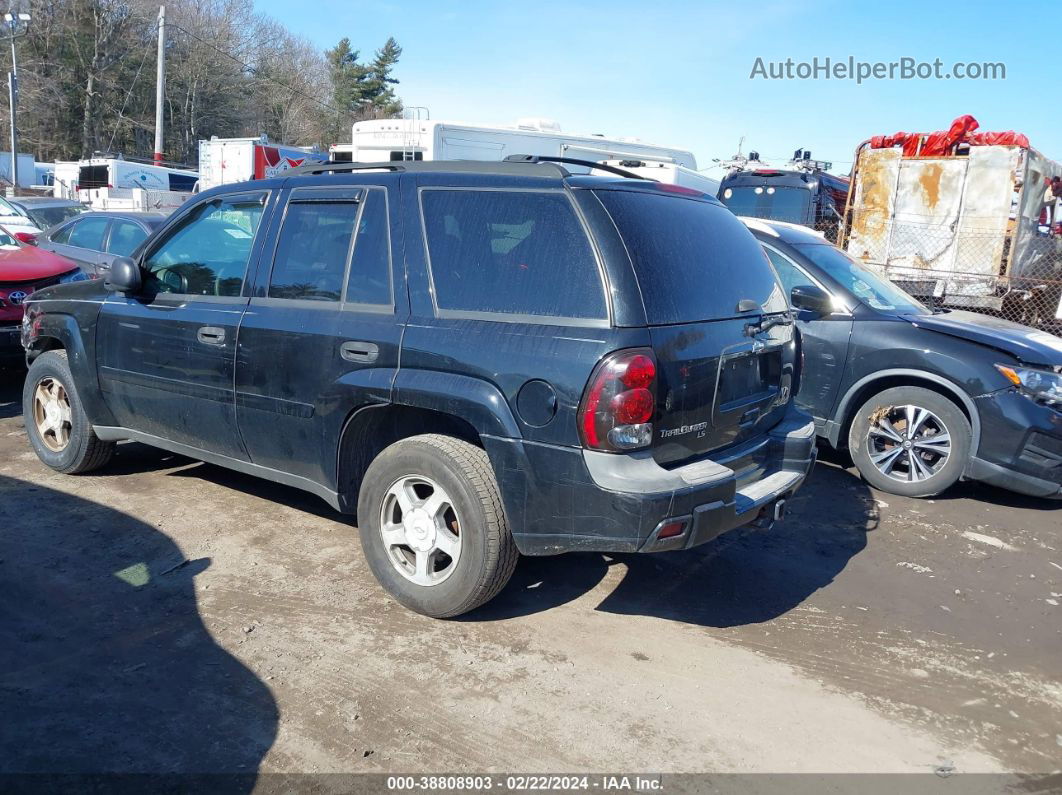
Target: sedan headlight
(73,276)
(1041,385)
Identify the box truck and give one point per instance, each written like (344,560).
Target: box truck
(225,160)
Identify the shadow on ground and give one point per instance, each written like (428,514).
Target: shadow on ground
(105,663)
(743,577)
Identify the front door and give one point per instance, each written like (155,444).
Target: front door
(321,334)
(167,357)
(825,343)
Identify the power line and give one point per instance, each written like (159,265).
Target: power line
(129,93)
(254,71)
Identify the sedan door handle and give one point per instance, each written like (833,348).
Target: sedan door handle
(360,352)
(211,335)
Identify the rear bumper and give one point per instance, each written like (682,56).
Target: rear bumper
(561,499)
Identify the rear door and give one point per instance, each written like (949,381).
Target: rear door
(122,239)
(82,241)
(322,331)
(725,376)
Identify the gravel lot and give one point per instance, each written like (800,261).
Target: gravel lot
(170,615)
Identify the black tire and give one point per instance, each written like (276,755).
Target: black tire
(488,554)
(84,451)
(946,417)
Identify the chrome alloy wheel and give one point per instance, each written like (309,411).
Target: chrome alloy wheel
(51,414)
(908,443)
(420,529)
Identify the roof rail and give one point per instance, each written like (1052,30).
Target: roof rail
(575,162)
(334,166)
(507,166)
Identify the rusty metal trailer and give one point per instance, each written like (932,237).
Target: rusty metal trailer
(962,228)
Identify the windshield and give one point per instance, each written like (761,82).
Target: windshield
(50,216)
(867,285)
(7,208)
(777,204)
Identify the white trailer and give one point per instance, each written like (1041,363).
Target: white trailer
(64,179)
(115,172)
(666,172)
(112,183)
(226,160)
(134,199)
(422,139)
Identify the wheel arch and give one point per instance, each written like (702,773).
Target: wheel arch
(877,382)
(369,430)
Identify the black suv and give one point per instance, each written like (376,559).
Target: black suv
(478,359)
(920,397)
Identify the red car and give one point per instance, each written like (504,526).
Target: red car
(23,269)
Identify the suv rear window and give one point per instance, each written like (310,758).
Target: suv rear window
(511,252)
(694,260)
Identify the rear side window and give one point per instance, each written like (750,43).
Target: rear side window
(311,257)
(88,233)
(694,260)
(125,236)
(511,252)
(370,267)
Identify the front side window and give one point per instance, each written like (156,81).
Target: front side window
(870,287)
(311,257)
(511,252)
(789,274)
(207,252)
(125,236)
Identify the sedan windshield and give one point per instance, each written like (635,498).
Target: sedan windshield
(50,216)
(867,285)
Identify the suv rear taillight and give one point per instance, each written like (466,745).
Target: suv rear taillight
(617,408)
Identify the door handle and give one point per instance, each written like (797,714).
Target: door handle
(211,335)
(360,352)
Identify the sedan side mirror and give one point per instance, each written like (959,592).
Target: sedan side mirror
(124,276)
(812,299)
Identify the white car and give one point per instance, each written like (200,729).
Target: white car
(17,222)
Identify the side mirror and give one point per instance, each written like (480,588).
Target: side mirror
(124,276)
(812,299)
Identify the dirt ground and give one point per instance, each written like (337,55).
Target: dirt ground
(166,615)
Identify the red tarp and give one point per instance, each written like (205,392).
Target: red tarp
(943,142)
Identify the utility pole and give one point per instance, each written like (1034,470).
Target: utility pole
(15,21)
(160,86)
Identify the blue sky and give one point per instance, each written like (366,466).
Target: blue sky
(677,73)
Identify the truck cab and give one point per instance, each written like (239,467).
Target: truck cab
(804,193)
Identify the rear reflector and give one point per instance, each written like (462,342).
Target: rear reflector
(672,529)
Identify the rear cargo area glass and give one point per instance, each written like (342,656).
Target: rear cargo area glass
(694,260)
